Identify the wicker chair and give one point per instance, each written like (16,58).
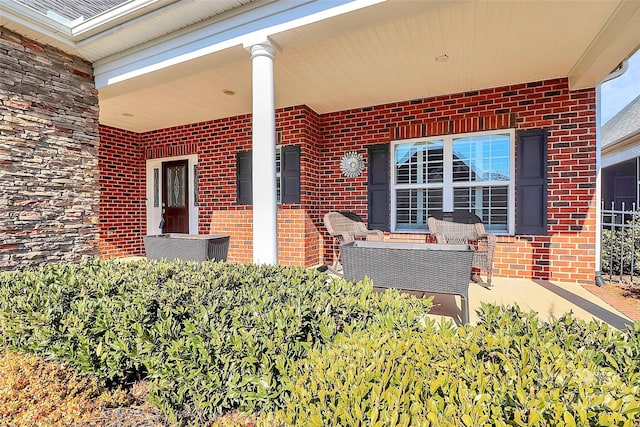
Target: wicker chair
(344,230)
(461,227)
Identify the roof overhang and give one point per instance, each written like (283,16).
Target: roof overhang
(624,149)
(163,63)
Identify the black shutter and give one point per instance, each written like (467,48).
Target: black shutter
(531,182)
(378,187)
(290,173)
(244,188)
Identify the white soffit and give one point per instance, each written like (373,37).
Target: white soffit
(253,23)
(385,53)
(595,63)
(133,23)
(170,65)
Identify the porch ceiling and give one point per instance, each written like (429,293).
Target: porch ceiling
(387,52)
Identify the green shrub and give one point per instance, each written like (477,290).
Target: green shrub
(212,337)
(620,248)
(93,314)
(511,369)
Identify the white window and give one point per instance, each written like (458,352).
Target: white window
(470,172)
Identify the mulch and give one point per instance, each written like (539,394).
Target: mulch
(129,416)
(624,297)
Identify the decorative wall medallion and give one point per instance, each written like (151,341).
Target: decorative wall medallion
(351,164)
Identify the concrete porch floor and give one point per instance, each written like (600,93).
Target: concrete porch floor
(550,300)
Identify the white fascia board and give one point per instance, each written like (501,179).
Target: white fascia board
(619,157)
(69,32)
(105,20)
(36,21)
(249,25)
(622,150)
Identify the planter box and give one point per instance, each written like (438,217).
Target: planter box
(435,268)
(187,247)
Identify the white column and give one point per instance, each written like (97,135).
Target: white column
(624,66)
(598,195)
(265,232)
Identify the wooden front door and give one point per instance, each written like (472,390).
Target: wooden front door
(175,197)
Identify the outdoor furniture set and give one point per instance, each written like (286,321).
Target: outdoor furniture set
(345,227)
(444,267)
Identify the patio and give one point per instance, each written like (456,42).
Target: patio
(549,299)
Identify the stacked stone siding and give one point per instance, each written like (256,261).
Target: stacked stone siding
(49,191)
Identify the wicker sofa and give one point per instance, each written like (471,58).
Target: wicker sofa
(432,268)
(187,247)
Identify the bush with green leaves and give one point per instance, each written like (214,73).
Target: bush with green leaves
(509,370)
(212,337)
(620,248)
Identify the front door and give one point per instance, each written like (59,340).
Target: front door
(175,196)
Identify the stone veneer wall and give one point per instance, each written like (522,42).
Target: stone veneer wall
(49,141)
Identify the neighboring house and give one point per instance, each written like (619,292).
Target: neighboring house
(243,117)
(621,158)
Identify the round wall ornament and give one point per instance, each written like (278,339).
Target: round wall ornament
(351,164)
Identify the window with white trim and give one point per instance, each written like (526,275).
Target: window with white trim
(463,172)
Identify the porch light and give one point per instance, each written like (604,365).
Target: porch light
(442,58)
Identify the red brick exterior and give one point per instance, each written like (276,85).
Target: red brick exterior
(122,212)
(565,254)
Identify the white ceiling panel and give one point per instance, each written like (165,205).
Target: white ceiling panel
(382,53)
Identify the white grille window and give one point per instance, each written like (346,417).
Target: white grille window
(470,172)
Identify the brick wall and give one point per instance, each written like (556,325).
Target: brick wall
(216,143)
(568,252)
(48,155)
(299,239)
(301,126)
(122,211)
(565,254)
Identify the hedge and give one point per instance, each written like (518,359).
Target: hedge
(509,370)
(294,347)
(212,337)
